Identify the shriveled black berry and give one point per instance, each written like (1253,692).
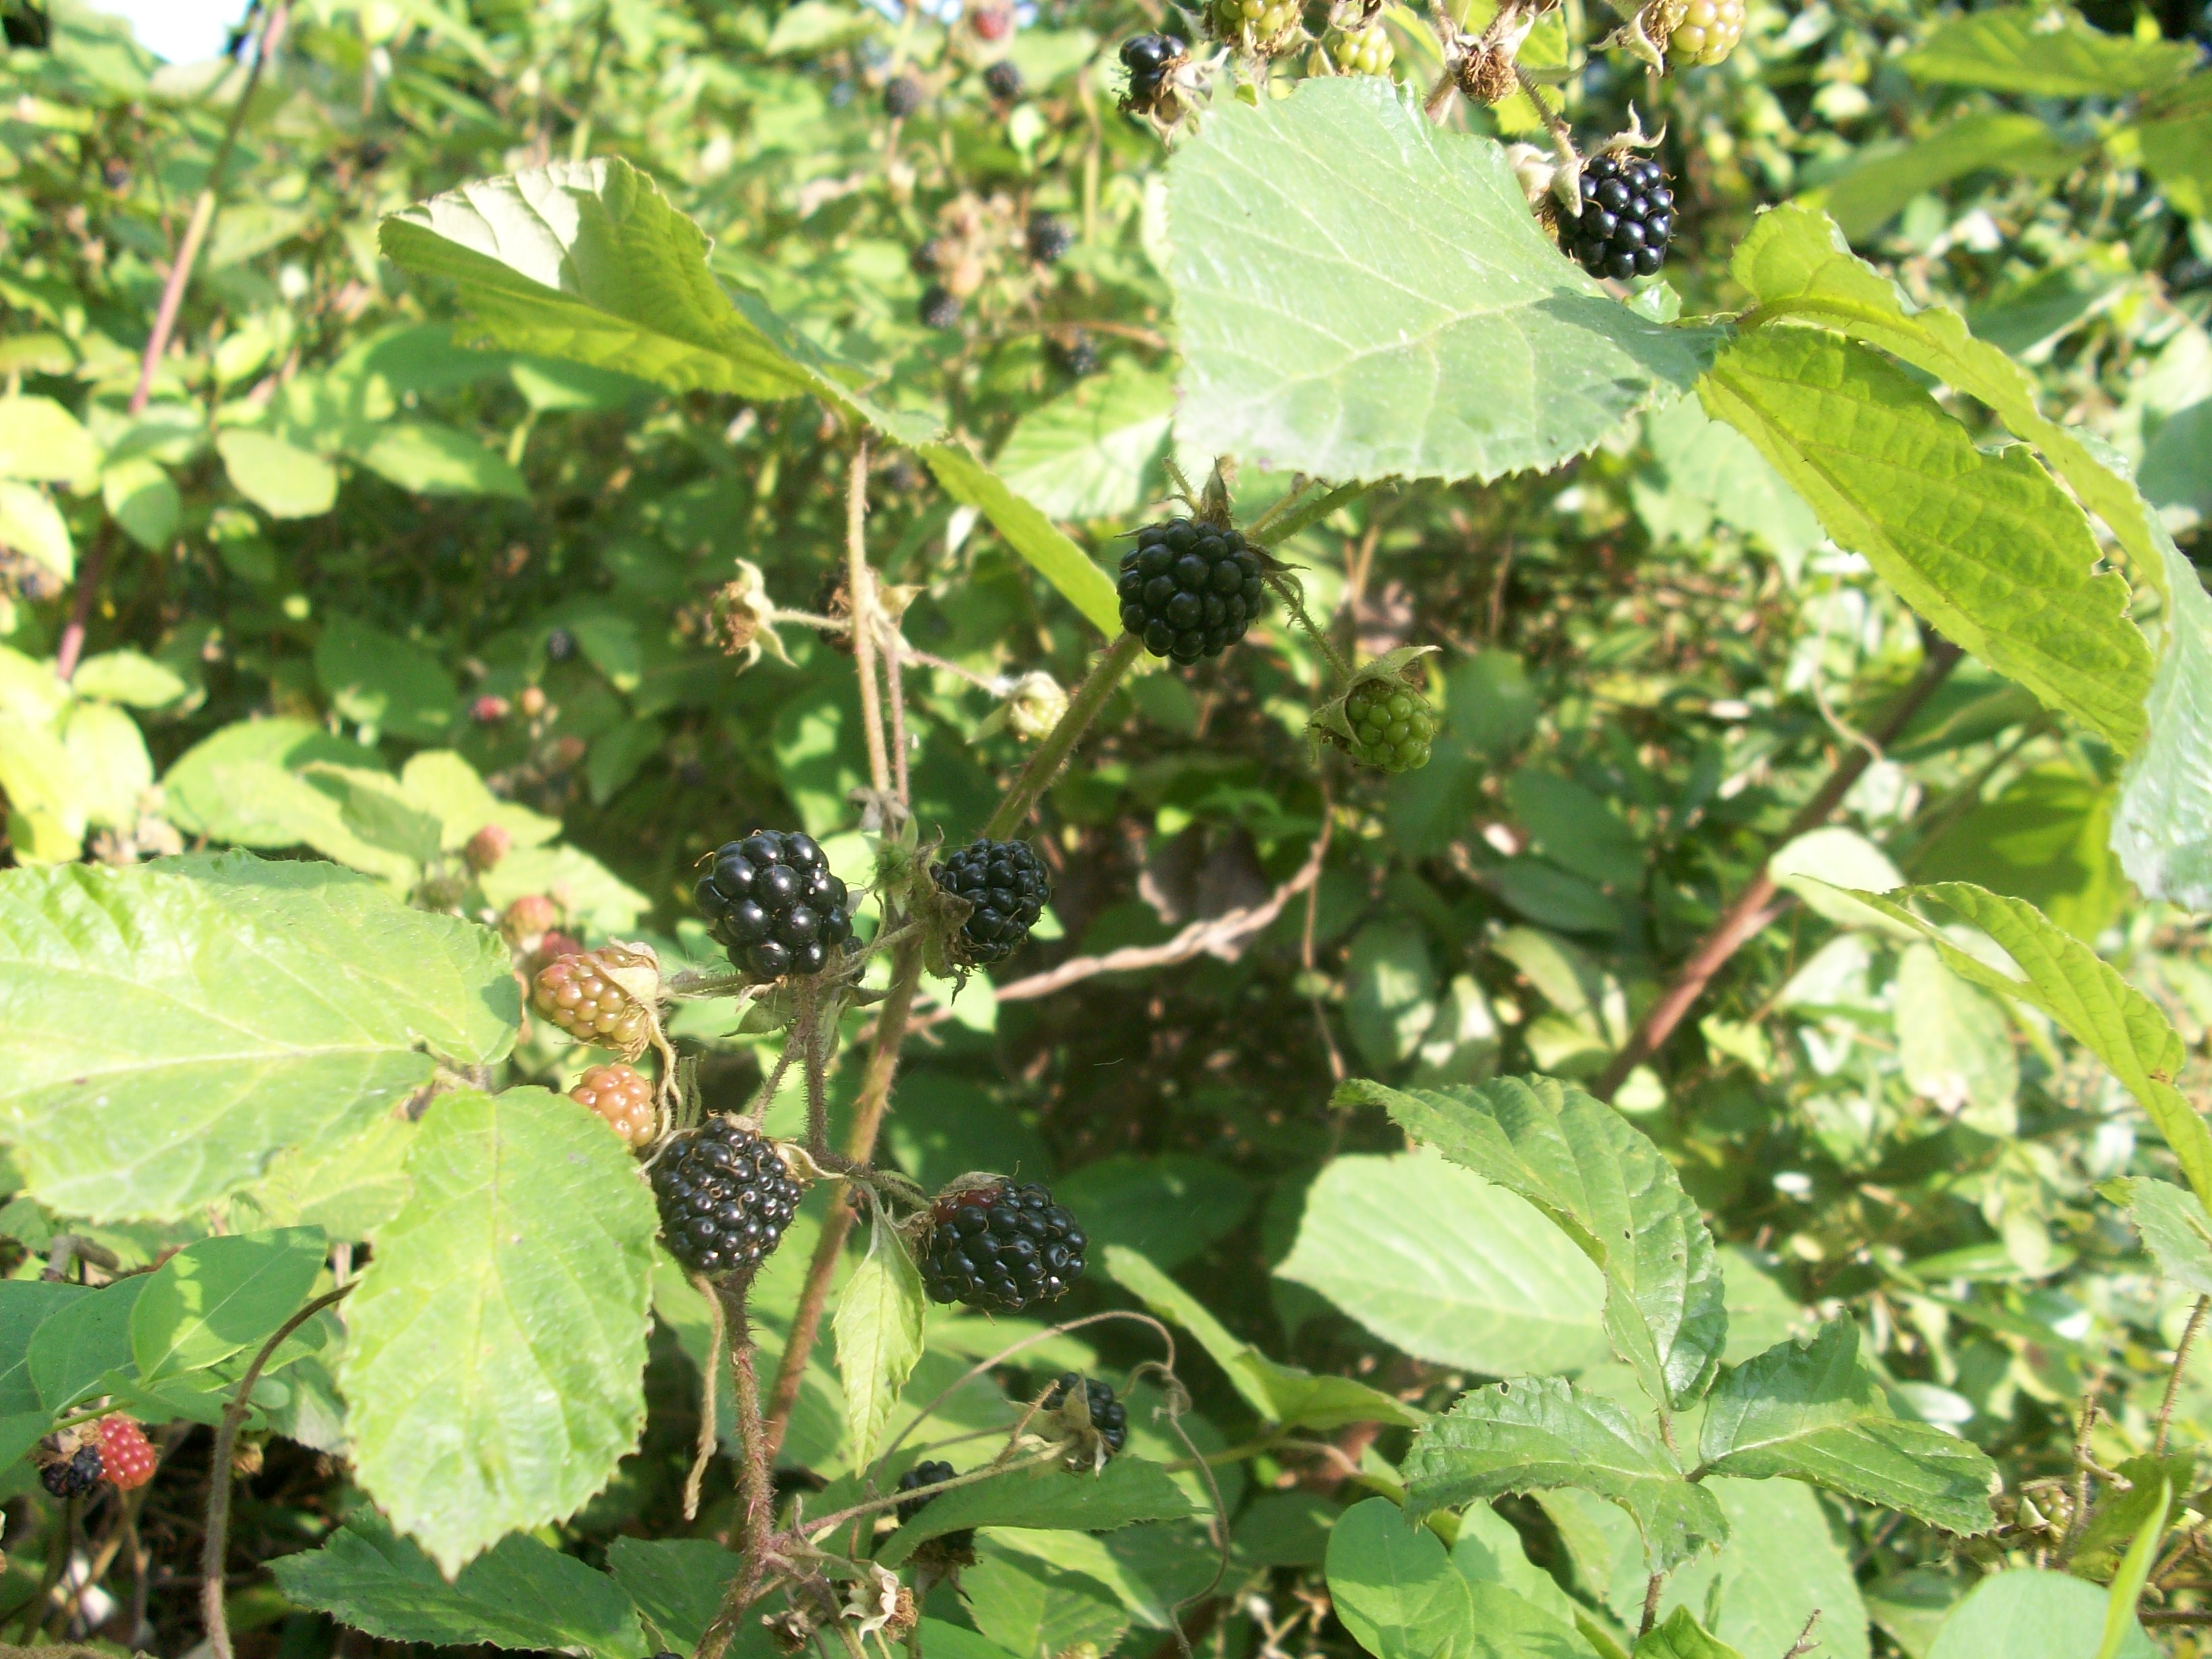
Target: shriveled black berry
(927,259)
(938,308)
(559,645)
(1627,218)
(75,1475)
(1075,356)
(902,95)
(772,904)
(1049,239)
(1189,589)
(1108,1415)
(1002,1248)
(1005,881)
(931,1475)
(1003,80)
(724,1197)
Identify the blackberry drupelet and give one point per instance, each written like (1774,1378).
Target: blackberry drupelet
(1049,239)
(1392,725)
(623,1099)
(75,1475)
(1109,1416)
(927,259)
(1004,81)
(1626,220)
(902,96)
(1001,1247)
(1005,881)
(772,904)
(940,307)
(724,1198)
(930,1474)
(1189,589)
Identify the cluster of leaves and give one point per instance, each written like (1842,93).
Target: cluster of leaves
(491,523)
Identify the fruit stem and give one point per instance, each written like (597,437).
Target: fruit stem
(756,1498)
(1052,754)
(709,1437)
(1290,595)
(859,586)
(1273,533)
(216,1550)
(820,1526)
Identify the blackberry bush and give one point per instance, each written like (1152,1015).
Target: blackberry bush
(1005,881)
(1047,238)
(575,993)
(1626,219)
(1189,589)
(1708,33)
(772,904)
(949,1549)
(1001,1247)
(623,1097)
(1392,725)
(126,1456)
(724,1198)
(1109,1418)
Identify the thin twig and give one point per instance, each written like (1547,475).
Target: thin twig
(1748,914)
(859,587)
(2084,1465)
(1804,1643)
(1052,753)
(2173,1382)
(216,1547)
(710,1439)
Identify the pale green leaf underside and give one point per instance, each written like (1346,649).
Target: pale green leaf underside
(1127,1490)
(1582,1164)
(1536,1433)
(878,1331)
(1986,547)
(2044,51)
(172,1026)
(1091,452)
(2176,1229)
(1815,1413)
(1360,294)
(2162,824)
(495,1373)
(1682,1636)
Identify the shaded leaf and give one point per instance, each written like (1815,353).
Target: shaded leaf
(2175,1230)
(219,1296)
(1126,1491)
(878,1330)
(1029,532)
(2029,1614)
(282,479)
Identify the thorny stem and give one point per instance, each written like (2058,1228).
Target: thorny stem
(1052,754)
(859,586)
(1289,593)
(755,1497)
(710,1440)
(2173,1382)
(215,1549)
(1275,534)
(1747,915)
(2083,1465)
(1804,1643)
(1651,1588)
(860,1146)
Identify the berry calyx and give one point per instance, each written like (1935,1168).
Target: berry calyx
(772,904)
(623,1097)
(1708,33)
(1392,725)
(576,994)
(126,1455)
(938,307)
(724,1198)
(1627,220)
(902,96)
(1189,589)
(1108,1418)
(1006,884)
(1004,81)
(951,1547)
(1360,51)
(1001,1247)
(1047,238)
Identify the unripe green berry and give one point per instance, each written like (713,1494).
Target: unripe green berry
(1708,33)
(1392,725)
(1360,51)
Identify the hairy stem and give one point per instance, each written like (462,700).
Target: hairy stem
(1652,1586)
(750,1532)
(859,586)
(702,1456)
(215,1549)
(1275,532)
(1052,754)
(1748,914)
(2174,1380)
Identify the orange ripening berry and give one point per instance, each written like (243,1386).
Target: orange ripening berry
(573,993)
(623,1097)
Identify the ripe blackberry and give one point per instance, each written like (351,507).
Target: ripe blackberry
(1150,60)
(724,1198)
(1049,239)
(1627,217)
(1001,1247)
(1109,1416)
(1004,81)
(1075,356)
(930,1474)
(126,1455)
(623,1097)
(73,1476)
(574,992)
(1005,881)
(938,307)
(1708,33)
(1189,589)
(559,645)
(902,96)
(1392,725)
(773,904)
(1360,51)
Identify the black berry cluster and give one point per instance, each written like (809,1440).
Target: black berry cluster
(1003,80)
(1002,1247)
(724,1197)
(1108,1415)
(1049,239)
(940,307)
(1189,589)
(1150,60)
(931,1475)
(1005,881)
(1076,356)
(902,96)
(773,904)
(1626,220)
(73,1476)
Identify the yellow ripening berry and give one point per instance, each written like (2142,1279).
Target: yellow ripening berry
(1708,33)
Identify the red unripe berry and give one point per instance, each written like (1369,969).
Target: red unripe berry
(623,1097)
(125,1454)
(490,710)
(528,916)
(488,847)
(993,22)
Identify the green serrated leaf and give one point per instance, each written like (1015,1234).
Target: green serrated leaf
(1395,1588)
(1882,178)
(1814,1411)
(1541,1432)
(282,479)
(2177,1229)
(2029,1613)
(44,443)
(878,1329)
(2044,51)
(220,1296)
(431,459)
(1986,547)
(380,680)
(1093,452)
(172,1027)
(495,1373)
(1128,1490)
(678,1583)
(348,1186)
(1679,1635)
(522,1595)
(1612,1191)
(2162,825)
(1029,532)
(1417,321)
(81,1346)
